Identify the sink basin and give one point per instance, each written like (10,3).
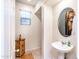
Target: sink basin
(63,48)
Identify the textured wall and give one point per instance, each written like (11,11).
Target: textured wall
(32,32)
(56,34)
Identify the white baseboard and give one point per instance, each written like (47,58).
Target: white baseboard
(32,49)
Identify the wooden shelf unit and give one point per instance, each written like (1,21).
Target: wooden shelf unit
(20,47)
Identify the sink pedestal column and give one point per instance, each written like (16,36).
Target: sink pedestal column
(62,56)
(65,54)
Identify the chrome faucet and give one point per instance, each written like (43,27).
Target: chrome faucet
(63,43)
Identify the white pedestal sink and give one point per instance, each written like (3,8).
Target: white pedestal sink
(62,48)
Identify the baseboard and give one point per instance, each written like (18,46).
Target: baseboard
(33,49)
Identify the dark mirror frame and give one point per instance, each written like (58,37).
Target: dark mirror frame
(65,21)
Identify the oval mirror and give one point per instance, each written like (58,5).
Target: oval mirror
(65,22)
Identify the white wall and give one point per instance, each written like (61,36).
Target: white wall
(51,31)
(32,32)
(12,28)
(56,34)
(9,29)
(77,30)
(2,29)
(48,28)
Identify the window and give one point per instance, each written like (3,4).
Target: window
(25,18)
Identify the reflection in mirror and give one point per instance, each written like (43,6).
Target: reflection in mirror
(65,21)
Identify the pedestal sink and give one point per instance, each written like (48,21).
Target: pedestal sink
(63,49)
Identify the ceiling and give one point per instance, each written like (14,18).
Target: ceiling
(32,2)
(53,2)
